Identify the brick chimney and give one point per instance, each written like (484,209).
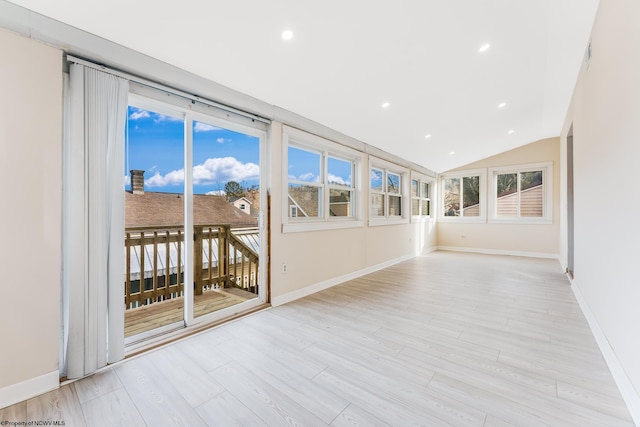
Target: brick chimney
(137,181)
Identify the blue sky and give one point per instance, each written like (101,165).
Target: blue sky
(305,166)
(155,145)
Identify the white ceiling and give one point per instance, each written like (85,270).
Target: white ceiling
(347,57)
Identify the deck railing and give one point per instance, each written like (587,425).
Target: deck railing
(154,270)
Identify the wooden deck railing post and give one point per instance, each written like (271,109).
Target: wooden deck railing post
(156,293)
(142,284)
(144,246)
(227,242)
(127,277)
(197,260)
(167,265)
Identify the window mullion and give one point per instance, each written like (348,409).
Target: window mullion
(386,193)
(324,181)
(461,201)
(188,220)
(519,192)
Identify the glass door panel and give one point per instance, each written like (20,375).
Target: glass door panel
(226,206)
(154,222)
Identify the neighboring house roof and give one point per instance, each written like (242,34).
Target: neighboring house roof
(167,209)
(238,201)
(531,203)
(235,199)
(305,198)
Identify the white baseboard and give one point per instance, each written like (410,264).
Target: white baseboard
(499,252)
(627,390)
(312,289)
(24,390)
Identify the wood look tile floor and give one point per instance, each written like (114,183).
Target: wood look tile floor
(443,339)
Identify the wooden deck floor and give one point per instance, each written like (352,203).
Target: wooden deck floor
(164,313)
(439,340)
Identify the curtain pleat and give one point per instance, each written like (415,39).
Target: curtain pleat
(94,249)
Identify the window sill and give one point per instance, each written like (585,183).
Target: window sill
(521,221)
(384,221)
(301,227)
(467,220)
(421,219)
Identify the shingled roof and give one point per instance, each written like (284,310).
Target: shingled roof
(166,209)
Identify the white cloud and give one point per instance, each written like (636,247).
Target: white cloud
(216,170)
(309,177)
(220,140)
(216,193)
(159,118)
(127,180)
(139,114)
(203,127)
(224,169)
(334,179)
(172,178)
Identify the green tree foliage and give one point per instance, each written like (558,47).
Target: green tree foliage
(530,179)
(508,182)
(233,190)
(452,197)
(471,191)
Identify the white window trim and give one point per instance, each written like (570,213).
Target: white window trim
(431,181)
(405,193)
(306,141)
(482,173)
(547,182)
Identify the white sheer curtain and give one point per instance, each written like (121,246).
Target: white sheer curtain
(93,248)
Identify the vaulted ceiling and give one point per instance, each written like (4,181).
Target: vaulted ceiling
(347,58)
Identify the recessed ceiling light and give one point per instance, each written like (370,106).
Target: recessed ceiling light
(502,105)
(484,48)
(385,105)
(511,131)
(428,136)
(287,35)
(451,153)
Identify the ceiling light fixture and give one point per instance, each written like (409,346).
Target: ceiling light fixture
(451,153)
(502,105)
(287,35)
(385,105)
(511,131)
(427,136)
(484,48)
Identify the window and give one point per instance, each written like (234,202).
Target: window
(521,193)
(463,196)
(420,196)
(387,192)
(322,185)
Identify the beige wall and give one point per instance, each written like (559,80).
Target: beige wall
(30,170)
(534,239)
(605,113)
(31,167)
(320,256)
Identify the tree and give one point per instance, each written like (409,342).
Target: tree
(233,190)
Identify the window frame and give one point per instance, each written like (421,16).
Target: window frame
(165,103)
(292,137)
(482,174)
(547,194)
(430,181)
(404,193)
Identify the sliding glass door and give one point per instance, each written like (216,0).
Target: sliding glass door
(193,214)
